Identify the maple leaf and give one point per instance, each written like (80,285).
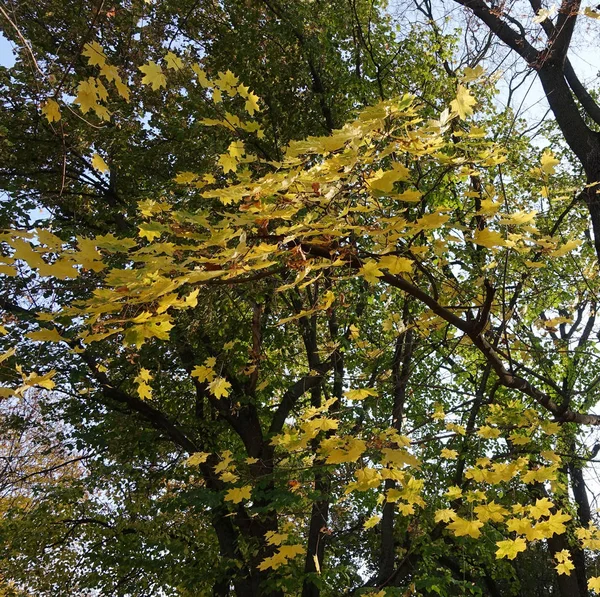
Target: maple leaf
(445,515)
(203,373)
(285,553)
(173,61)
(490,511)
(50,335)
(185,177)
(384,181)
(519,217)
(237,494)
(360,394)
(510,548)
(202,79)
(109,72)
(462,527)
(549,162)
(406,509)
(196,458)
(541,508)
(488,432)
(451,454)
(219,387)
(565,567)
(43,381)
(251,104)
(594,584)
(51,110)
(94,53)
(371,522)
(370,271)
(98,163)
(153,75)
(227,82)
(236,149)
(122,89)
(470,74)
(396,265)
(566,248)
(144,391)
(464,102)
(87,97)
(490,239)
(453,492)
(228,163)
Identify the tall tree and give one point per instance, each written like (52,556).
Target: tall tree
(358,361)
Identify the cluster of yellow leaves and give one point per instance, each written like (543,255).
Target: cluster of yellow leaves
(281,557)
(530,523)
(142,380)
(28,380)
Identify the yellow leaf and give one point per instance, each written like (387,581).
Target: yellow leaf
(519,217)
(196,458)
(98,163)
(370,271)
(228,163)
(251,104)
(219,387)
(462,527)
(173,61)
(490,511)
(227,82)
(94,53)
(409,196)
(237,494)
(566,248)
(445,515)
(371,522)
(510,548)
(87,96)
(51,110)
(7,354)
(488,207)
(549,162)
(153,75)
(451,454)
(384,181)
(203,373)
(464,102)
(594,581)
(202,79)
(453,492)
(109,72)
(470,74)
(144,391)
(281,557)
(395,265)
(274,538)
(360,394)
(122,89)
(185,177)
(541,508)
(592,14)
(43,381)
(488,432)
(51,335)
(565,567)
(490,238)
(236,149)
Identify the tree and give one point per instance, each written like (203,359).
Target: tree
(361,361)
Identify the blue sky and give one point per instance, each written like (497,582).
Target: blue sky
(6,54)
